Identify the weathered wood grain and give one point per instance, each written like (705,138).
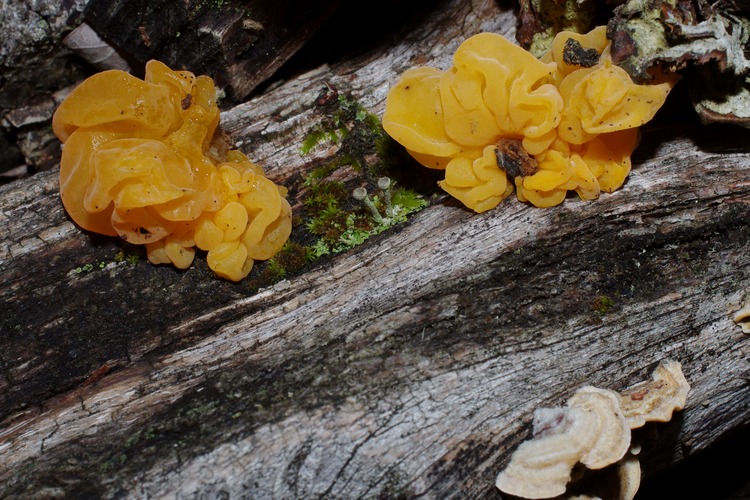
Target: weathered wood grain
(408,366)
(50,46)
(240,43)
(32,59)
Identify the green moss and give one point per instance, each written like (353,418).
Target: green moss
(346,122)
(291,258)
(318,136)
(324,194)
(123,257)
(329,219)
(341,225)
(333,220)
(602,304)
(86,268)
(288,261)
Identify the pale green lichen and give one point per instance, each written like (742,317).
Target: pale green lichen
(340,218)
(711,43)
(120,258)
(551,17)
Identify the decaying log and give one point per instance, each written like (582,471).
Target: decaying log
(407,366)
(33,65)
(241,44)
(32,59)
(49,46)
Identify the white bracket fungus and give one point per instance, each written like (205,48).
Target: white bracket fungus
(655,400)
(541,467)
(593,429)
(742,317)
(611,433)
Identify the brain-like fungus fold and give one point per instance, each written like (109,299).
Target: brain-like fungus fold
(576,115)
(139,162)
(592,429)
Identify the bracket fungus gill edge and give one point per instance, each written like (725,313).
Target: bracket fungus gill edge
(742,317)
(592,429)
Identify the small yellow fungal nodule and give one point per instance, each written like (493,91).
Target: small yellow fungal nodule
(138,163)
(579,122)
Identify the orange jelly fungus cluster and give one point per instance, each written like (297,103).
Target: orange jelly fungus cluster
(139,163)
(573,127)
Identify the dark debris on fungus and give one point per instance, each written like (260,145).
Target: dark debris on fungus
(574,54)
(513,159)
(706,42)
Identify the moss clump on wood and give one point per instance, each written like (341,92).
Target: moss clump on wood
(327,218)
(602,304)
(333,219)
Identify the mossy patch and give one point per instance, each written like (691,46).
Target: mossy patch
(126,256)
(328,219)
(602,304)
(334,219)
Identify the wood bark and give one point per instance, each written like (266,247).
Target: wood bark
(33,65)
(407,366)
(240,43)
(32,59)
(44,54)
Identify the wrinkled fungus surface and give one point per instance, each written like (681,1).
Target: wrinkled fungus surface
(140,162)
(592,429)
(576,119)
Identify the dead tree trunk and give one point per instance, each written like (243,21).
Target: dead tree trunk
(409,365)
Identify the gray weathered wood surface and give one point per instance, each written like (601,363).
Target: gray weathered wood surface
(410,365)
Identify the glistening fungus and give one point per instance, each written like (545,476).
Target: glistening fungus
(593,429)
(143,160)
(573,121)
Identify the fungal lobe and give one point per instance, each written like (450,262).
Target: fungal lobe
(593,429)
(145,160)
(742,317)
(655,400)
(563,122)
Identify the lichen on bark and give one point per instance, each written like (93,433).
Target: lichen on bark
(706,42)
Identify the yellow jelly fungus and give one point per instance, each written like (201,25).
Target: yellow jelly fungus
(595,39)
(604,99)
(447,119)
(577,123)
(138,163)
(477,182)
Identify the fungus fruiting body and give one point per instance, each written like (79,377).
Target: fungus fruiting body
(593,429)
(590,429)
(655,400)
(742,317)
(573,114)
(141,161)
